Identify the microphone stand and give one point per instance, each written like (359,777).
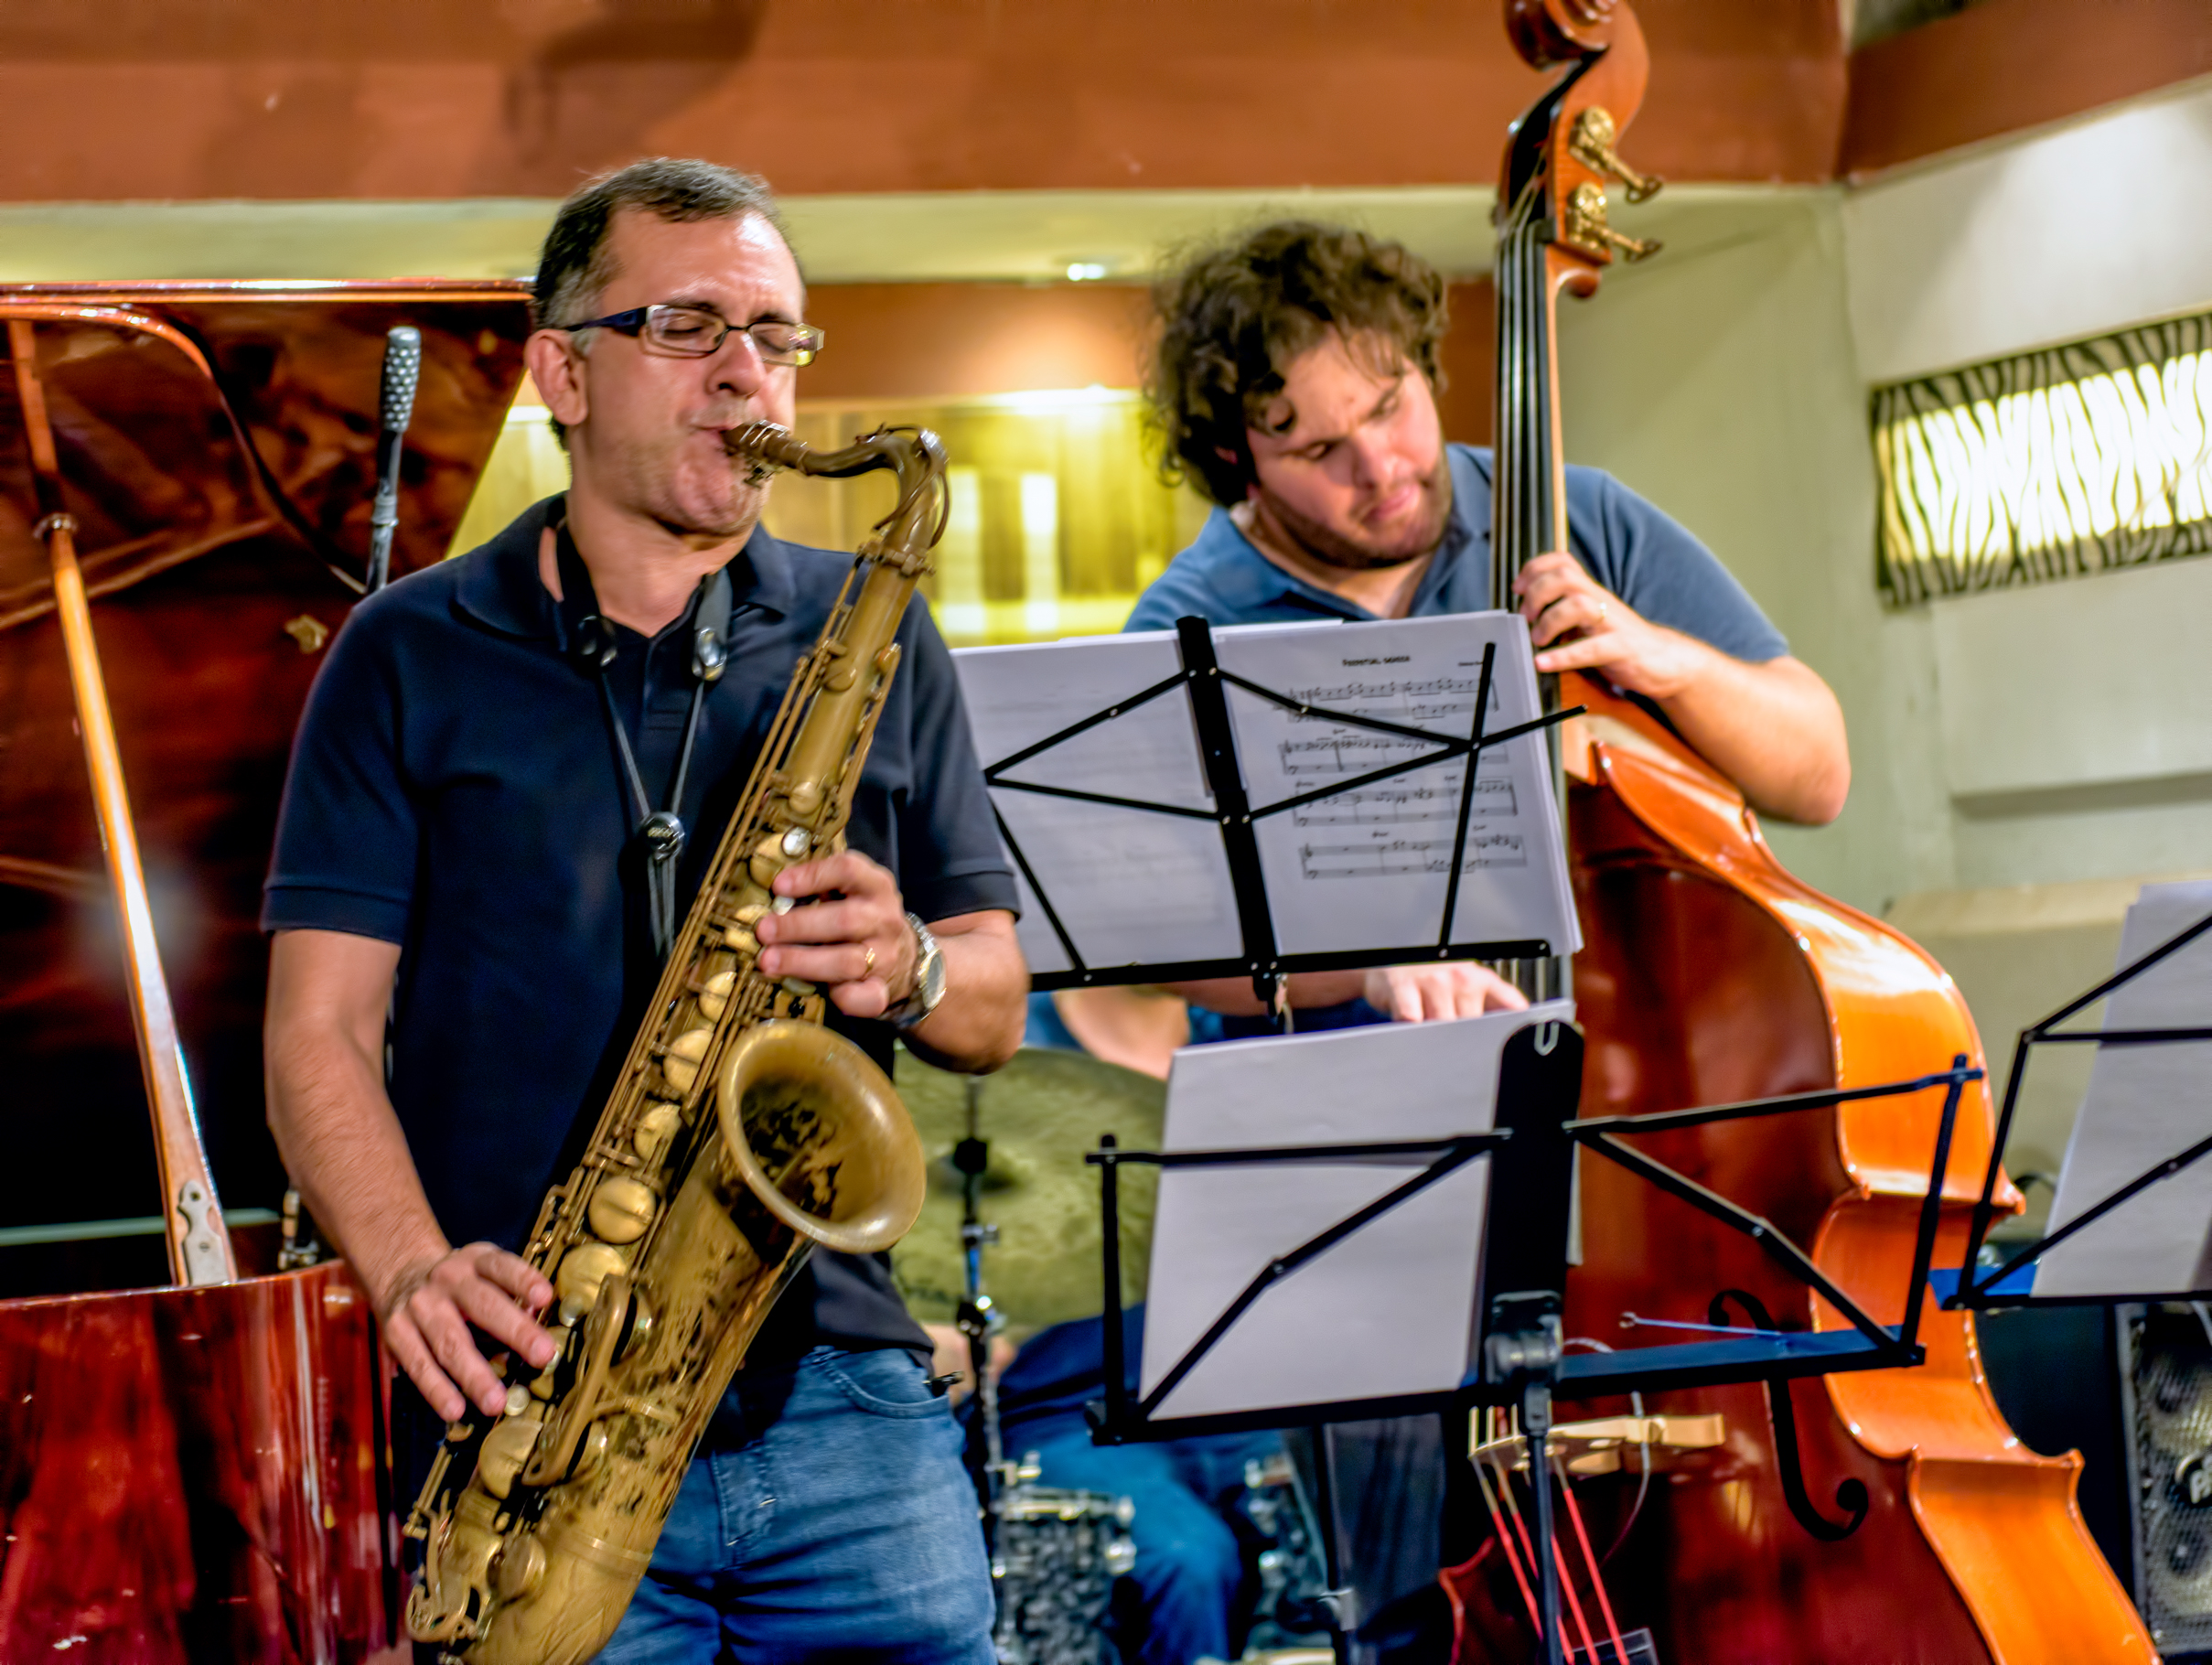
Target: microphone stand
(403,370)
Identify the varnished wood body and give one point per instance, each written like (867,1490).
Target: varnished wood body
(1708,975)
(191,1474)
(203,598)
(188,1474)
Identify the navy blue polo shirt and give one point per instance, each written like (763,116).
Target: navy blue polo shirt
(456,788)
(1634,549)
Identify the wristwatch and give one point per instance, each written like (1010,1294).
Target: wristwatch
(929,979)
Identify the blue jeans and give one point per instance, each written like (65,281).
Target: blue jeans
(1190,1564)
(826,1518)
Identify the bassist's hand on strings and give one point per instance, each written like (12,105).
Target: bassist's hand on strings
(1582,626)
(1773,726)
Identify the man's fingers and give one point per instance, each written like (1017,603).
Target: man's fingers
(1406,1002)
(851,920)
(492,1310)
(1582,652)
(830,966)
(455,1350)
(848,871)
(1502,996)
(413,1357)
(514,1275)
(867,998)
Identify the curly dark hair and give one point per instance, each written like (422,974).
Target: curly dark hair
(1233,314)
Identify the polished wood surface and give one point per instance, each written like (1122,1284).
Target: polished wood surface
(199,1247)
(190,1474)
(210,609)
(1710,975)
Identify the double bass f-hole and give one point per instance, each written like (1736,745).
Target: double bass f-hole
(1851,1494)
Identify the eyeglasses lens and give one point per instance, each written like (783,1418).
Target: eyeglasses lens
(694,332)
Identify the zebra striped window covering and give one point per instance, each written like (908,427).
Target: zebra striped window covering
(2054,463)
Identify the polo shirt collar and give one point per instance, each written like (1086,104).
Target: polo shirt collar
(1248,581)
(503,589)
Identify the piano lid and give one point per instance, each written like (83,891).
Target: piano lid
(216,443)
(145,380)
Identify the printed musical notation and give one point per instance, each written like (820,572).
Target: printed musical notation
(1342,866)
(1391,806)
(1410,855)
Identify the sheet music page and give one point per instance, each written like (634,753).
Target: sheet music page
(1129,888)
(1369,866)
(2143,1105)
(1390,1310)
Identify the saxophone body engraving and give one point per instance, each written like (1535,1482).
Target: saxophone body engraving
(740,1134)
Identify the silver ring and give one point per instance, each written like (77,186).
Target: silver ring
(1601,612)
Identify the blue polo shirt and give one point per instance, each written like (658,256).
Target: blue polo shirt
(1637,552)
(1634,549)
(455,788)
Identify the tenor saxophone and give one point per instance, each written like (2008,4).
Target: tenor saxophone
(740,1134)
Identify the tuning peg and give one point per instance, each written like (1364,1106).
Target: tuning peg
(1591,143)
(1586,228)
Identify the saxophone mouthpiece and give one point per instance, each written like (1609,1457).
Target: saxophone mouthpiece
(767,446)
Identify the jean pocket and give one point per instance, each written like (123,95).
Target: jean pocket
(885,1381)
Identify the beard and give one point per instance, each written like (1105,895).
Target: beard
(1332,547)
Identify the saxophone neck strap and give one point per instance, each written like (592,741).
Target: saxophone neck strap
(590,641)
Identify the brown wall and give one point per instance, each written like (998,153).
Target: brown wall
(956,340)
(151,98)
(2011,64)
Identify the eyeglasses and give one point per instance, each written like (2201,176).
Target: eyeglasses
(698,332)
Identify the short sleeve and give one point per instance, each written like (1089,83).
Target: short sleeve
(1652,562)
(951,857)
(346,831)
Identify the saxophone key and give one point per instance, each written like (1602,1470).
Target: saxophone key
(716,991)
(684,1055)
(506,1448)
(582,1269)
(622,1209)
(655,1128)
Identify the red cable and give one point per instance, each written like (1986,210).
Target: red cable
(1505,1543)
(1565,1585)
(1597,1577)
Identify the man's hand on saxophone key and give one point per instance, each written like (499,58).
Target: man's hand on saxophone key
(852,942)
(433,1307)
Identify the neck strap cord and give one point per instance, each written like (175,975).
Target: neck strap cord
(593,647)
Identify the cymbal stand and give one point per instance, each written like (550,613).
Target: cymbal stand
(978,1319)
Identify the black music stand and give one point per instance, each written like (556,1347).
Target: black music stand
(2012,1284)
(1233,812)
(1517,1357)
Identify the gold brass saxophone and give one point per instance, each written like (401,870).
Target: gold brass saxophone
(740,1134)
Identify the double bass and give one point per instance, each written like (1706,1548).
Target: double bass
(1888,1516)
(192,1452)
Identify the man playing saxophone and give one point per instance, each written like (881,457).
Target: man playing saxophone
(510,776)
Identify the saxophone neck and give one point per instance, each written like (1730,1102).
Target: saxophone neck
(904,537)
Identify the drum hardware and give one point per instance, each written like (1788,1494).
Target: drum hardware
(1054,1553)
(1291,1617)
(1041,1111)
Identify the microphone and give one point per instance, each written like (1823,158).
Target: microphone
(402,370)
